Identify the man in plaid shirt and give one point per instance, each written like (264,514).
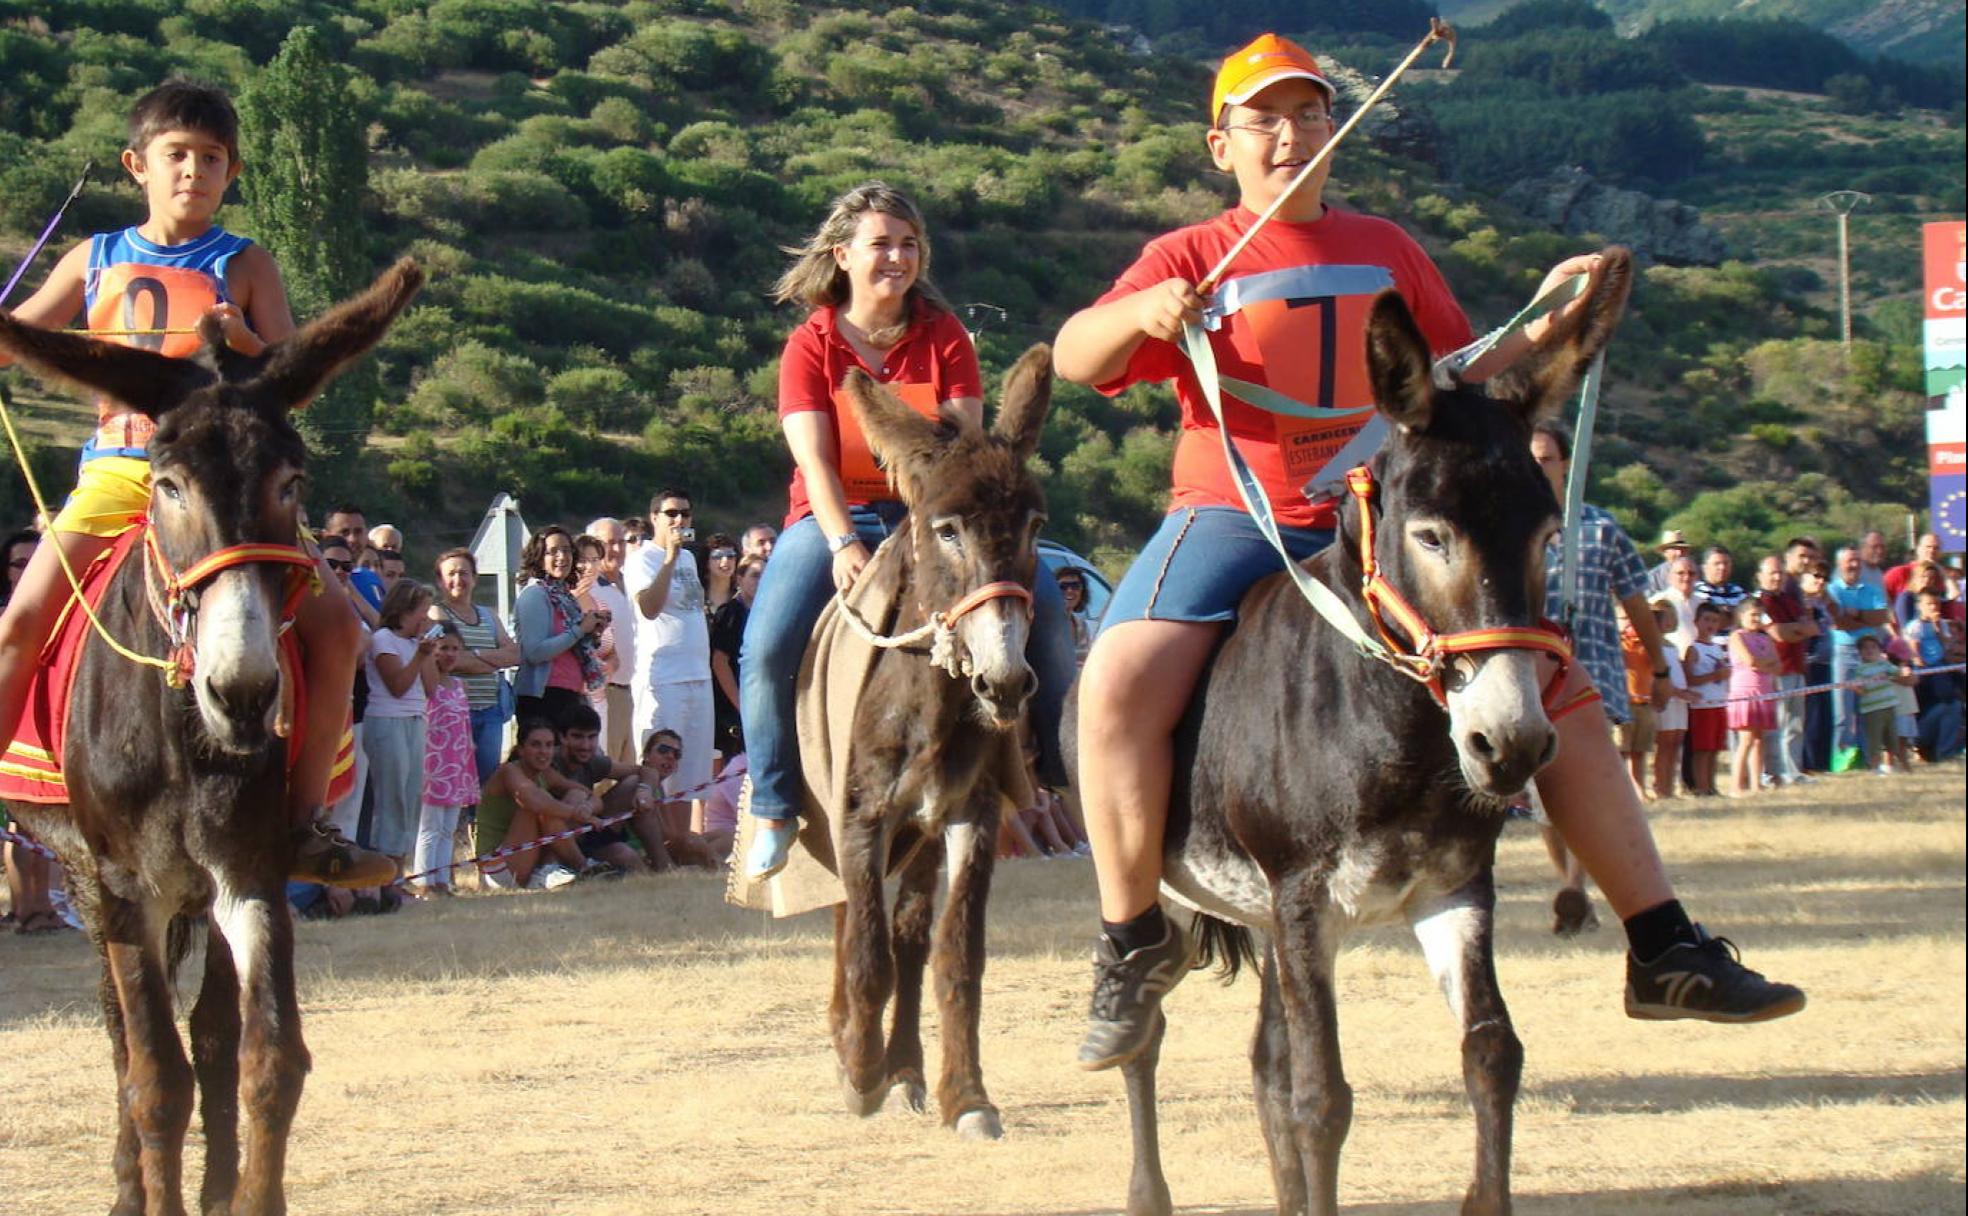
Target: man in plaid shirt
(1609,569)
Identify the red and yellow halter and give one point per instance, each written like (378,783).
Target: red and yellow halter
(173,593)
(1426,653)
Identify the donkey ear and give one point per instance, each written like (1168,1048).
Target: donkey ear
(1399,364)
(1546,378)
(300,366)
(905,441)
(144,380)
(1026,398)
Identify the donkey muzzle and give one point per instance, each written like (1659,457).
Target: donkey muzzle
(1498,724)
(237,668)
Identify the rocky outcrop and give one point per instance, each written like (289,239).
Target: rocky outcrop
(1657,230)
(1390,126)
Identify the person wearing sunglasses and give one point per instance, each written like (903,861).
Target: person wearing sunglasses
(720,572)
(671,686)
(1072,589)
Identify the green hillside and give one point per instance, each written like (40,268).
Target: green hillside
(601,189)
(1920,31)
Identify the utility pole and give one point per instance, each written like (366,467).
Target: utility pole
(1842,203)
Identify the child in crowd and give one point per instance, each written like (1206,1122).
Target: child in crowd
(1707,665)
(1906,711)
(1753,668)
(1671,720)
(450,765)
(1879,703)
(174,268)
(1638,733)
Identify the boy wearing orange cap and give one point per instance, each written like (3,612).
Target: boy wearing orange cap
(1290,316)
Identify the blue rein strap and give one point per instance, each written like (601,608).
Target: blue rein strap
(1202,357)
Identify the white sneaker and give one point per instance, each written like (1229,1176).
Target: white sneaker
(551,877)
(500,879)
(1083,849)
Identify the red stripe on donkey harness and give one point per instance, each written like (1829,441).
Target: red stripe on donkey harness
(1428,651)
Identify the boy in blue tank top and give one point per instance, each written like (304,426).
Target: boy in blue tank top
(165,274)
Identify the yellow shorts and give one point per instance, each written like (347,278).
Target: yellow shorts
(111,493)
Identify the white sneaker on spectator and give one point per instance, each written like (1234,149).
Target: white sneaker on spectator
(500,879)
(550,877)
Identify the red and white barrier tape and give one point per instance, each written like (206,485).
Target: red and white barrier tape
(505,851)
(32,846)
(1870,682)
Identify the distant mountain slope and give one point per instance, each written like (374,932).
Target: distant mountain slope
(1920,31)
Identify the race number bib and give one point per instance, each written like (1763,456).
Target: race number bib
(134,296)
(861,474)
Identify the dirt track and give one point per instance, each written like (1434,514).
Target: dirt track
(643,1049)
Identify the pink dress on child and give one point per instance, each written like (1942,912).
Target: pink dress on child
(1745,681)
(450,769)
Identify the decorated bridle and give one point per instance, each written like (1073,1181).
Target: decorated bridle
(941,627)
(173,593)
(1427,653)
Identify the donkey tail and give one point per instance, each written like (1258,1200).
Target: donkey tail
(1226,946)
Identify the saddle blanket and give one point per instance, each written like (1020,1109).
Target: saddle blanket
(30,770)
(836,669)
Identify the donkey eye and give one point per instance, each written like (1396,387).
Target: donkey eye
(169,489)
(947,533)
(1428,538)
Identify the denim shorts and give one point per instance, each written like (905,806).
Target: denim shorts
(1199,564)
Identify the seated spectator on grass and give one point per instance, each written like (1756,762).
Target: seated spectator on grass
(727,640)
(720,572)
(685,832)
(721,805)
(450,766)
(525,799)
(631,791)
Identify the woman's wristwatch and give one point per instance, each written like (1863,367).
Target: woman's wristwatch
(845,540)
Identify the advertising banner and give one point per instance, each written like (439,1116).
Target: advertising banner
(1945,254)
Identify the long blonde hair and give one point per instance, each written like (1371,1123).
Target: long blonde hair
(816,280)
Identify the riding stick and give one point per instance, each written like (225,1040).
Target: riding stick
(53,222)
(1438,31)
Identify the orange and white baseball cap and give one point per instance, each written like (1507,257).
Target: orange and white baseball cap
(1266,61)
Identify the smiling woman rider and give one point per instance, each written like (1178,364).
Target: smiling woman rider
(865,275)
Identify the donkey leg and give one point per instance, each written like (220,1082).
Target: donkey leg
(1321,1110)
(273,1061)
(157,1083)
(972,846)
(215,1059)
(124,1161)
(1148,1193)
(915,917)
(866,965)
(1271,1083)
(1455,935)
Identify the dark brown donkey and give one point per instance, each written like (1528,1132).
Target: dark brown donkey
(931,742)
(1318,791)
(178,794)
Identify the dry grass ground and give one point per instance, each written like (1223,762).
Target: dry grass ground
(641,1048)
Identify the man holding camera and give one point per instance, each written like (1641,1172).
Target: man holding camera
(672,681)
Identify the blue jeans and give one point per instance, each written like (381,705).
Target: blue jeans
(792,593)
(488,731)
(1845,728)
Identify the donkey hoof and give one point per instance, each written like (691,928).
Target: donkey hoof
(980,1124)
(862,1102)
(915,1094)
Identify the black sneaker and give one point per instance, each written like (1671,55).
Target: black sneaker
(1705,981)
(1126,993)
